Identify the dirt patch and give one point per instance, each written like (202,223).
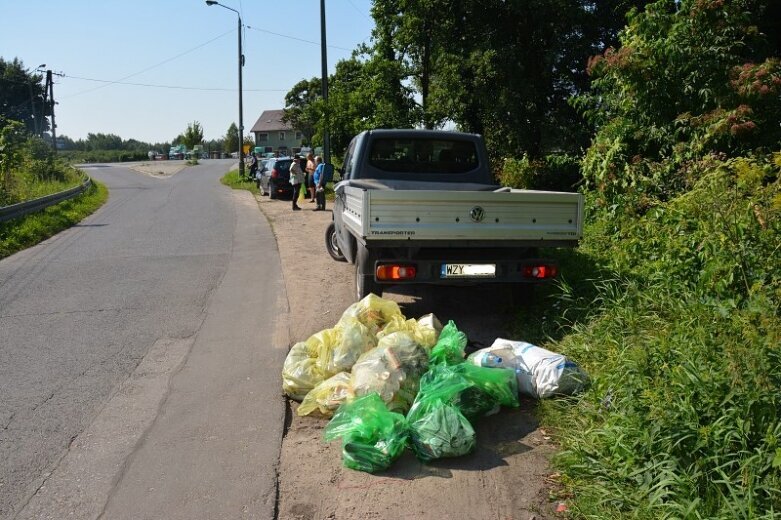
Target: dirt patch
(158,168)
(503,478)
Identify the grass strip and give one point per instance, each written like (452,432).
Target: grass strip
(232,180)
(29,230)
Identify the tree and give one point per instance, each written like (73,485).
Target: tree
(103,142)
(231,139)
(300,111)
(193,135)
(12,137)
(363,94)
(504,69)
(22,96)
(690,78)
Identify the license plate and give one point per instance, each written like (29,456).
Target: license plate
(468,271)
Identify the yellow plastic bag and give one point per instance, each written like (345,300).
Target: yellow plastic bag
(425,331)
(339,348)
(300,373)
(327,396)
(374,312)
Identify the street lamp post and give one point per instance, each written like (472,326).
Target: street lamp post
(241,109)
(324,64)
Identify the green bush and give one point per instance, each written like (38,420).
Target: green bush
(559,172)
(30,168)
(681,334)
(102,156)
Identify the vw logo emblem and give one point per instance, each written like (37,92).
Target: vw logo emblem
(477,213)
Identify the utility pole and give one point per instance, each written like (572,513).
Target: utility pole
(50,82)
(326,138)
(241,110)
(32,107)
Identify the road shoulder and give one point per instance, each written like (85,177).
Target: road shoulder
(504,478)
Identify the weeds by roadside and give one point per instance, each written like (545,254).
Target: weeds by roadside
(675,314)
(232,180)
(26,231)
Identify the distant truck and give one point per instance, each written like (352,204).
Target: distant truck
(421,207)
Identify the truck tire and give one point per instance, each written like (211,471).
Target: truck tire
(331,244)
(364,275)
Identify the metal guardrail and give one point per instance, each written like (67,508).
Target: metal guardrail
(31,206)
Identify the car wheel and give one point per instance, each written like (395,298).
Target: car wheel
(364,274)
(332,245)
(272,190)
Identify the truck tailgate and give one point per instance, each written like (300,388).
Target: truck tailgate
(515,215)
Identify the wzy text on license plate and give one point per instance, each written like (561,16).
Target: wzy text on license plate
(468,271)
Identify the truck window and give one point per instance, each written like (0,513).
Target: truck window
(421,155)
(349,159)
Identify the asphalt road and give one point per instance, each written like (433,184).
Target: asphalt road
(139,372)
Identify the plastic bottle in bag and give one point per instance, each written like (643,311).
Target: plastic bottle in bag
(489,359)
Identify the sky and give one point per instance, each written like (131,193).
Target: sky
(182,56)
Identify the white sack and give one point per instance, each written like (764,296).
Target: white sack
(540,372)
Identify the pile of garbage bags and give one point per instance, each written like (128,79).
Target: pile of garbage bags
(390,383)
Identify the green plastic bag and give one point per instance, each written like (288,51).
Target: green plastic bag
(477,391)
(449,397)
(437,426)
(372,436)
(450,346)
(492,387)
(438,429)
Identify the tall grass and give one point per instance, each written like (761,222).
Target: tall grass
(676,316)
(26,231)
(35,172)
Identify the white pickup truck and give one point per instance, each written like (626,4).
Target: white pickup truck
(421,207)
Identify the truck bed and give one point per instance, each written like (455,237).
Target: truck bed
(509,217)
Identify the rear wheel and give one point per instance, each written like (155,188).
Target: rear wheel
(332,245)
(272,190)
(364,274)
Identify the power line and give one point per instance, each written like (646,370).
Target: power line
(297,39)
(150,67)
(177,87)
(361,12)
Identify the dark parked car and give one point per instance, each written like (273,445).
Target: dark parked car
(273,178)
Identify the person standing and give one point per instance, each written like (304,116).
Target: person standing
(310,171)
(296,178)
(253,166)
(319,182)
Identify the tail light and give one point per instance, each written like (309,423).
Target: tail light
(274,173)
(396,272)
(540,272)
